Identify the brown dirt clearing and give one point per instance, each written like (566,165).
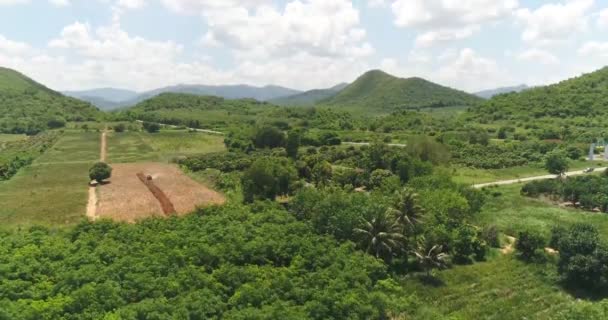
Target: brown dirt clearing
(126,198)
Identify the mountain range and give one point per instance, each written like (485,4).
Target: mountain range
(487,94)
(109,98)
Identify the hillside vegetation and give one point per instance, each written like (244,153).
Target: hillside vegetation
(29,107)
(377,90)
(586,95)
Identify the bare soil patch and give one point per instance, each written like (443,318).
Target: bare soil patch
(165,203)
(127,198)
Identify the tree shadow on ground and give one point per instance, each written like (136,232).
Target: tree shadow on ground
(430,280)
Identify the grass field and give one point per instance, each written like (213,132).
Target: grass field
(162,146)
(512,212)
(502,288)
(11,137)
(52,191)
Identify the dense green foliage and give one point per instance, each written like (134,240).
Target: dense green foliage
(29,107)
(583,258)
(16,154)
(376,90)
(581,96)
(100,172)
(227,263)
(587,192)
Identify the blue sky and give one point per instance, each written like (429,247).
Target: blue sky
(303,44)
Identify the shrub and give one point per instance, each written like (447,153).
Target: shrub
(491,236)
(529,244)
(100,172)
(267,178)
(120,127)
(151,127)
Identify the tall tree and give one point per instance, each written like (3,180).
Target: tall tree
(381,236)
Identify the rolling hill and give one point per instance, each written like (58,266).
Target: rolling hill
(487,94)
(227,91)
(582,96)
(377,90)
(310,97)
(29,107)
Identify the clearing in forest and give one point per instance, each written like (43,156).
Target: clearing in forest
(127,198)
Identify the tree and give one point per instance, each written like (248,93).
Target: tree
(433,258)
(556,163)
(380,236)
(407,210)
(267,178)
(528,244)
(269,137)
(100,172)
(120,127)
(322,172)
(294,139)
(583,259)
(151,127)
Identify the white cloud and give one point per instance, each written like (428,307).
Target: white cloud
(60,3)
(538,56)
(12,2)
(555,22)
(131,4)
(602,20)
(594,49)
(324,28)
(446,20)
(472,72)
(202,6)
(13,47)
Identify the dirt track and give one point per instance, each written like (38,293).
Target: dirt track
(92,204)
(545,177)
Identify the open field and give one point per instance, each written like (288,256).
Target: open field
(512,212)
(501,288)
(52,191)
(11,137)
(126,198)
(162,146)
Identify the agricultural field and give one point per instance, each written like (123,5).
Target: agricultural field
(164,146)
(52,190)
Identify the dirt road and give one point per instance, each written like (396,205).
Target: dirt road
(92,203)
(102,156)
(545,177)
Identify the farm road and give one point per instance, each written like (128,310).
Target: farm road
(92,204)
(545,177)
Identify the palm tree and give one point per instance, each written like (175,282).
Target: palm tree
(381,236)
(407,211)
(431,259)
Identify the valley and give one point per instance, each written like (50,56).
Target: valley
(386,198)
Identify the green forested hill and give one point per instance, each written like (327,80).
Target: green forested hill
(584,96)
(197,111)
(310,97)
(29,107)
(377,90)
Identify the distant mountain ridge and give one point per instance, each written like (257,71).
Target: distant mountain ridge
(487,94)
(110,98)
(310,97)
(378,90)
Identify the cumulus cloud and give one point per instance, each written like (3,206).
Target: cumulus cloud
(538,56)
(594,49)
(555,23)
(602,20)
(472,72)
(446,20)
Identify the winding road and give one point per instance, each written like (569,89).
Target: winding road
(528,179)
